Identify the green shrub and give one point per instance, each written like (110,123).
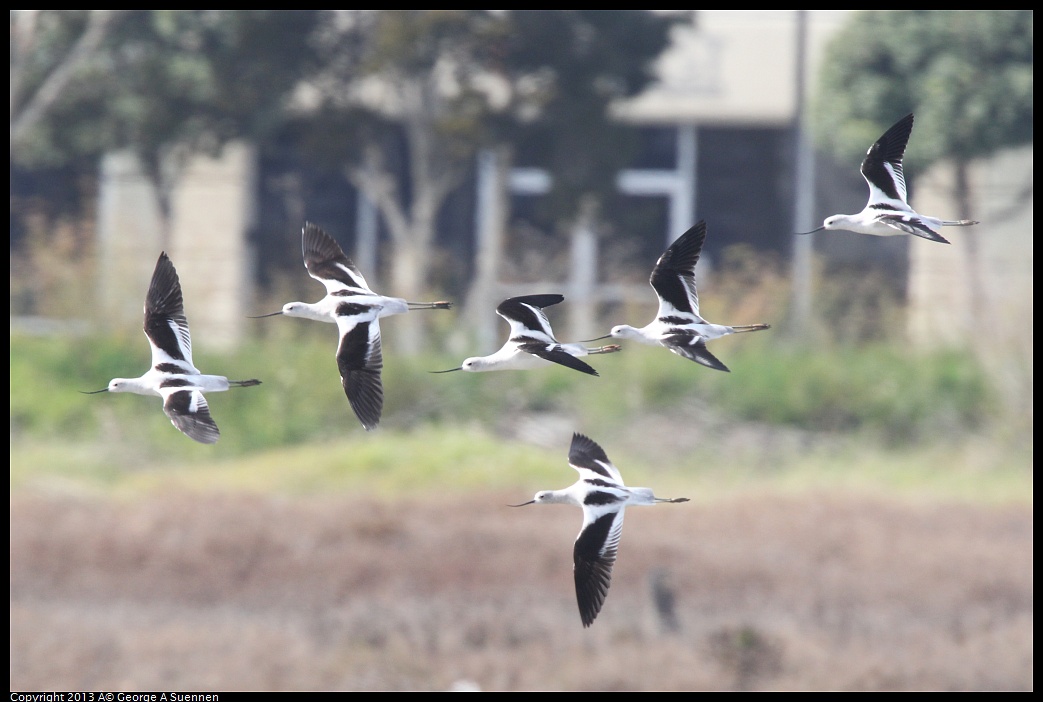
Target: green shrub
(880,388)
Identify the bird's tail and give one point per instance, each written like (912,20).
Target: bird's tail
(959,222)
(750,327)
(244,383)
(611,348)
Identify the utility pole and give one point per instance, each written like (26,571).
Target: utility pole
(804,192)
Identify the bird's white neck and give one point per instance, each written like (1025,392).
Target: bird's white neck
(138,386)
(625,331)
(306,311)
(558,497)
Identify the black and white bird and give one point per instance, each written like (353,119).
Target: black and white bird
(531,343)
(677,324)
(888,213)
(355,309)
(603,497)
(172,375)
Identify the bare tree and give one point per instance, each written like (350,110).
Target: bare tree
(419,92)
(35,88)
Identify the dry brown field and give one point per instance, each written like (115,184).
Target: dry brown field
(187,591)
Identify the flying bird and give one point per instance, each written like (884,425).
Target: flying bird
(531,343)
(603,497)
(677,325)
(355,309)
(172,375)
(888,213)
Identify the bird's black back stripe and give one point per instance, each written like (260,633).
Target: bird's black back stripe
(598,497)
(350,309)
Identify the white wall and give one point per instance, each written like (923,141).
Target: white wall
(212,207)
(734,67)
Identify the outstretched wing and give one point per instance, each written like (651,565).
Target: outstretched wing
(360,362)
(526,316)
(882,166)
(326,262)
(910,224)
(188,410)
(165,323)
(587,457)
(693,347)
(554,353)
(673,277)
(593,557)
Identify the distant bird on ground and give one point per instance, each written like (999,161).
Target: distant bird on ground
(172,375)
(531,343)
(603,497)
(664,597)
(677,325)
(888,213)
(355,309)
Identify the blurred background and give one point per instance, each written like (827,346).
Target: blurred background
(862,479)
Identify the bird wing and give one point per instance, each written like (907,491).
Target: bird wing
(693,347)
(166,326)
(882,166)
(910,224)
(326,262)
(188,410)
(554,353)
(594,554)
(587,457)
(673,277)
(360,362)
(526,316)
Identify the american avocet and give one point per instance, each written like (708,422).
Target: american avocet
(604,498)
(677,325)
(888,213)
(355,309)
(172,375)
(531,343)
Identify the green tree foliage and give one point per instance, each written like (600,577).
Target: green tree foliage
(406,98)
(457,80)
(151,79)
(163,83)
(582,61)
(967,74)
(401,100)
(390,91)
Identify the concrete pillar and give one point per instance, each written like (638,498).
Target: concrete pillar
(212,208)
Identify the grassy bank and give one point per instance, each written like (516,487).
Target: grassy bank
(880,389)
(871,417)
